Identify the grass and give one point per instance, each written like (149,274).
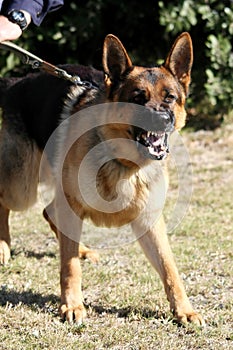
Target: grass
(127,308)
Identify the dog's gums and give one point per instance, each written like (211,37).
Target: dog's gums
(156,143)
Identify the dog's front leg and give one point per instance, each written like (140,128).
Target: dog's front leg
(72,308)
(4,236)
(67,227)
(154,242)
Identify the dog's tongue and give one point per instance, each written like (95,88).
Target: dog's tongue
(157,140)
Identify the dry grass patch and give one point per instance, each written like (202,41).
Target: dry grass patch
(127,308)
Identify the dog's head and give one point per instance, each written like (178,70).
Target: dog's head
(162,92)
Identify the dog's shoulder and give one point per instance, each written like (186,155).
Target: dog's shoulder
(36,101)
(44,90)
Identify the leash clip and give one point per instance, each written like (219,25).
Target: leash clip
(87,84)
(35,64)
(75,79)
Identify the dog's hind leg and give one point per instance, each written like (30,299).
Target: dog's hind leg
(19,166)
(87,253)
(83,251)
(155,245)
(4,236)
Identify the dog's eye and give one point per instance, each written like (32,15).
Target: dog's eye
(169,98)
(139,97)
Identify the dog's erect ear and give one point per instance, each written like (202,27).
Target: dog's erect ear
(180,59)
(115,58)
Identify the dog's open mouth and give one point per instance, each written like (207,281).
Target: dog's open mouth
(156,143)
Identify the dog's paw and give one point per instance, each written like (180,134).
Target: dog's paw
(92,255)
(191,317)
(5,253)
(87,253)
(73,313)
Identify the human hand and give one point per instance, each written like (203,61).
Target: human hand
(10,30)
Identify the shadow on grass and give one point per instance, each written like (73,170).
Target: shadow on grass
(49,303)
(129,312)
(29,298)
(31,254)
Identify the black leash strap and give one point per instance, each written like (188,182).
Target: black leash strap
(37,63)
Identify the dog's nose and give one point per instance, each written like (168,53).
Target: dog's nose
(162,121)
(154,120)
(159,120)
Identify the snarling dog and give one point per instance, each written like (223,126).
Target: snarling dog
(109,154)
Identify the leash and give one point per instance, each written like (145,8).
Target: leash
(37,63)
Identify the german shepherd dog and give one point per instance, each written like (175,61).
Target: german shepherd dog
(126,145)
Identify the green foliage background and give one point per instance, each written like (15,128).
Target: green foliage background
(147,28)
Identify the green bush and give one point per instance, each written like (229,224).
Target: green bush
(211,25)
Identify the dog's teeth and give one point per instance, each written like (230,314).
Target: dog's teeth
(144,137)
